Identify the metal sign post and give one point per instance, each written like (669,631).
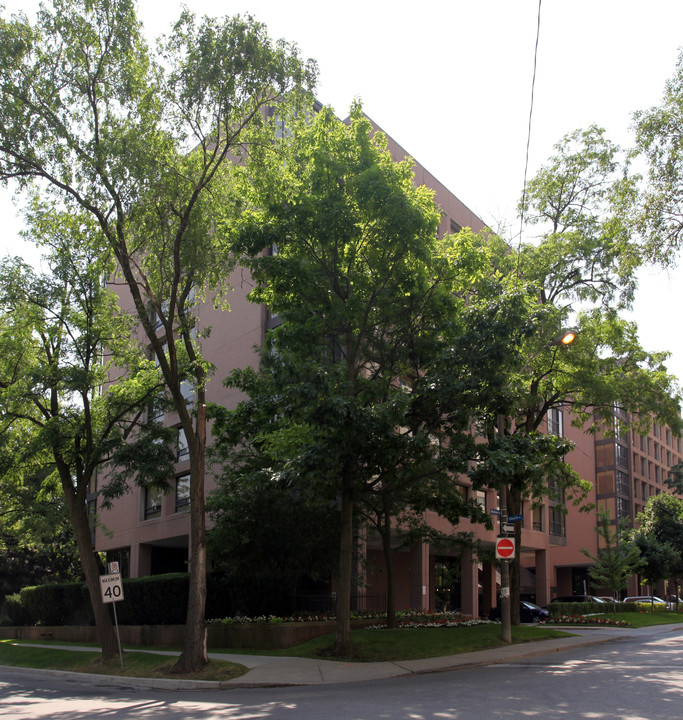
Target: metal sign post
(112,591)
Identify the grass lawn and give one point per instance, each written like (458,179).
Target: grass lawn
(416,643)
(643,619)
(368,646)
(136,664)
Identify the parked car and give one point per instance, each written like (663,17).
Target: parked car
(528,612)
(607,599)
(578,598)
(647,599)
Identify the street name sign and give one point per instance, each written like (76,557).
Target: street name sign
(505,548)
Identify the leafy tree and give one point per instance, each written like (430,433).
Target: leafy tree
(658,559)
(674,479)
(269,534)
(61,333)
(573,277)
(36,539)
(617,558)
(662,521)
(659,140)
(146,143)
(365,294)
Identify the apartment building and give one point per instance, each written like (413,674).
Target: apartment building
(630,467)
(148,531)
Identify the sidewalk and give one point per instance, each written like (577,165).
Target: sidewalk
(269,671)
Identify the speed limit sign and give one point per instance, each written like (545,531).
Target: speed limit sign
(112,588)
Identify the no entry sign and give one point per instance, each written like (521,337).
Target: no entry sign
(505,548)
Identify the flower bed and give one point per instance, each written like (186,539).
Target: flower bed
(404,618)
(586,620)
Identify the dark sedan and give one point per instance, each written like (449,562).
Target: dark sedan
(528,613)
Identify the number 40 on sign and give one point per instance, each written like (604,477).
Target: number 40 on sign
(112,588)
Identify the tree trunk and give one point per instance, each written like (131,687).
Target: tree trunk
(86,551)
(342,646)
(194,655)
(389,562)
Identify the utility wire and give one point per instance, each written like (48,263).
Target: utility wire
(528,137)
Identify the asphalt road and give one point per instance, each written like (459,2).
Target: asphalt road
(637,677)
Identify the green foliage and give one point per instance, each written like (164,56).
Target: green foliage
(364,391)
(674,479)
(154,600)
(57,604)
(142,144)
(617,559)
(16,614)
(659,210)
(575,608)
(660,537)
(267,534)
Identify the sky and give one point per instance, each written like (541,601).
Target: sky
(451,81)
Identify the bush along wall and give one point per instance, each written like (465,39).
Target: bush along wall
(152,600)
(155,600)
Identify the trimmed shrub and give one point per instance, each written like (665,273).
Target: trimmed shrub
(16,615)
(57,604)
(578,608)
(154,600)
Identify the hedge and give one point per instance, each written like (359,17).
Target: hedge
(577,608)
(596,608)
(152,600)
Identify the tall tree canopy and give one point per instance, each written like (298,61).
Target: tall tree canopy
(574,277)
(146,143)
(61,333)
(659,140)
(352,395)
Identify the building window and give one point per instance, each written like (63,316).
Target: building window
(643,467)
(643,489)
(557,521)
(455,228)
(537,514)
(623,486)
(183,448)
(656,451)
(187,391)
(658,478)
(642,443)
(182,493)
(622,508)
(555,422)
(622,456)
(155,411)
(153,497)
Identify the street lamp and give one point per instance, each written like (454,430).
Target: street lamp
(566,337)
